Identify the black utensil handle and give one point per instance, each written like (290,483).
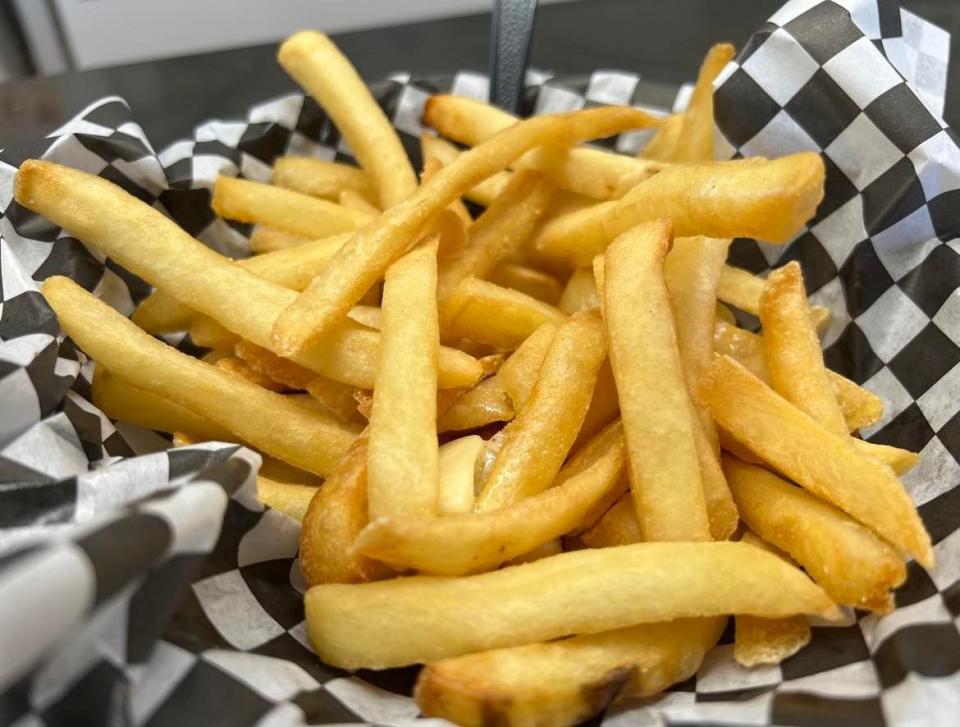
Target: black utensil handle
(510,35)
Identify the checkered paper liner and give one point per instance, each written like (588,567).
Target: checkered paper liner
(144,585)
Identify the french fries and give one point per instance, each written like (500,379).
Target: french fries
(266,239)
(519,372)
(656,409)
(357,202)
(266,420)
(320,178)
(863,487)
(590,172)
(419,619)
(433,147)
(366,257)
(617,526)
(403,431)
(580,292)
(298,214)
(458,464)
(485,403)
(321,69)
(849,562)
(292,499)
(537,441)
(767,200)
(743,289)
(695,142)
(527,280)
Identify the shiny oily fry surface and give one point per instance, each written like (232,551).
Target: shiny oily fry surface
(823,463)
(768,200)
(315,63)
(538,440)
(654,402)
(268,421)
(320,178)
(420,619)
(848,561)
(359,264)
(403,471)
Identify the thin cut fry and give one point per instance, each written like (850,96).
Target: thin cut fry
(357,202)
(725,315)
(432,165)
(761,640)
(266,239)
(580,292)
(530,281)
(359,264)
(604,406)
(597,448)
(618,526)
(298,214)
(269,421)
(485,403)
(207,333)
(320,178)
(849,562)
(474,542)
(486,191)
(314,62)
(484,312)
(742,289)
(539,439)
(291,499)
(238,367)
(518,374)
(696,133)
(766,200)
(823,463)
(403,470)
(273,367)
(150,245)
(458,462)
(420,619)
(591,172)
(654,402)
(663,146)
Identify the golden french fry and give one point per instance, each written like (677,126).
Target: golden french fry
(121,400)
(792,349)
(767,200)
(486,191)
(366,315)
(596,448)
(488,313)
(742,289)
(695,141)
(335,517)
(279,471)
(357,202)
(658,416)
(359,264)
(458,462)
(315,63)
(239,367)
(339,399)
(420,619)
(403,470)
(207,333)
(268,421)
(617,526)
(519,372)
(291,499)
(320,178)
(604,406)
(823,463)
(474,542)
(565,681)
(580,292)
(266,239)
(150,245)
(590,172)
(899,460)
(538,440)
(273,367)
(500,231)
(298,214)
(861,408)
(725,315)
(485,403)
(663,145)
(530,281)
(849,562)
(431,166)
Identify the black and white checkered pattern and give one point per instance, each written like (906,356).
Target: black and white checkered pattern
(142,595)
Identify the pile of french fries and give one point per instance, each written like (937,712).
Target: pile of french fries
(530,449)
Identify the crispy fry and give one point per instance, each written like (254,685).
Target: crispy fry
(663,145)
(292,500)
(861,408)
(849,562)
(298,214)
(207,333)
(431,166)
(767,200)
(565,681)
(792,350)
(604,406)
(538,440)
(742,289)
(420,619)
(475,542)
(150,245)
(617,526)
(580,293)
(266,239)
(487,313)
(315,63)
(320,178)
(357,202)
(403,471)
(238,367)
(486,191)
(518,374)
(266,420)
(273,367)
(597,447)
(339,399)
(458,462)
(823,463)
(485,403)
(591,172)
(366,315)
(369,253)
(501,230)
(530,281)
(761,640)
(658,417)
(696,133)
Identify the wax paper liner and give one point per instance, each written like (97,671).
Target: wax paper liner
(145,585)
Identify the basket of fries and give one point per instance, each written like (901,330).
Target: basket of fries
(383,403)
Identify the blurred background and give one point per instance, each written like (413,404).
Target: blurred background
(179,61)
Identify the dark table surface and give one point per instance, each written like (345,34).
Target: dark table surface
(663,41)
